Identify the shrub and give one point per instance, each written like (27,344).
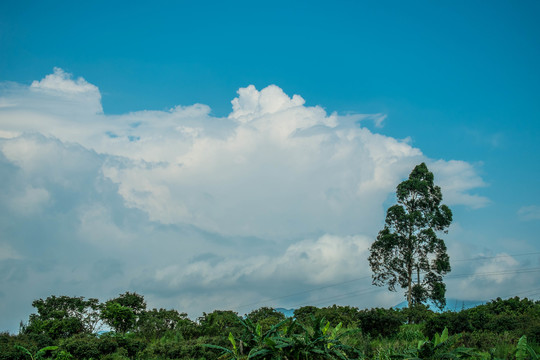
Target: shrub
(381,322)
(82,347)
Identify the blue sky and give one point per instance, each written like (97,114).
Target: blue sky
(110,169)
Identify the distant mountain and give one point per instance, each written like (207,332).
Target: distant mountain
(451,305)
(287,312)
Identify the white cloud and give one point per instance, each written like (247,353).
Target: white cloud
(498,269)
(192,202)
(531,212)
(490,276)
(310,263)
(252,104)
(61,85)
(456,179)
(61,81)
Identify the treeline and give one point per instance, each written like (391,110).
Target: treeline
(65,328)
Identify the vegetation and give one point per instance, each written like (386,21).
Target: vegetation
(408,247)
(500,329)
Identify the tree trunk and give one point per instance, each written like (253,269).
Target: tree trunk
(409,283)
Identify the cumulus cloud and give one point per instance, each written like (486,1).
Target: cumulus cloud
(61,85)
(180,203)
(307,264)
(457,179)
(312,261)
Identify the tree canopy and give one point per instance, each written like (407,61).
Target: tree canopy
(408,251)
(63,316)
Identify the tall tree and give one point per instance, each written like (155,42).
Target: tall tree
(408,251)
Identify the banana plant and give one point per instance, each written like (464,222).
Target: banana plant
(228,354)
(438,348)
(38,355)
(319,341)
(288,340)
(524,351)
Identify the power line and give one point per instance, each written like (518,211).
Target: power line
(303,292)
(534,292)
(506,272)
(358,292)
(517,271)
(342,296)
(365,291)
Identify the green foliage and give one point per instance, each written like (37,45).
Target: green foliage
(266,317)
(525,351)
(500,329)
(10,345)
(283,341)
(347,315)
(39,354)
(441,347)
(155,323)
(220,322)
(410,333)
(515,316)
(92,347)
(374,322)
(174,347)
(380,322)
(63,355)
(120,318)
(124,312)
(305,313)
(63,316)
(130,343)
(418,313)
(317,341)
(121,354)
(486,340)
(408,245)
(82,347)
(131,300)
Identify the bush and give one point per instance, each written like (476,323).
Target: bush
(107,345)
(381,322)
(82,347)
(189,349)
(266,317)
(513,315)
(486,340)
(417,314)
(32,342)
(220,323)
(305,313)
(410,333)
(346,315)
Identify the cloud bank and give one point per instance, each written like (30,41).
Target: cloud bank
(187,207)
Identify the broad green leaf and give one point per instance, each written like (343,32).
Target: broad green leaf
(233,342)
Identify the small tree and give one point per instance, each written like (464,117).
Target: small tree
(154,323)
(121,318)
(123,313)
(408,249)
